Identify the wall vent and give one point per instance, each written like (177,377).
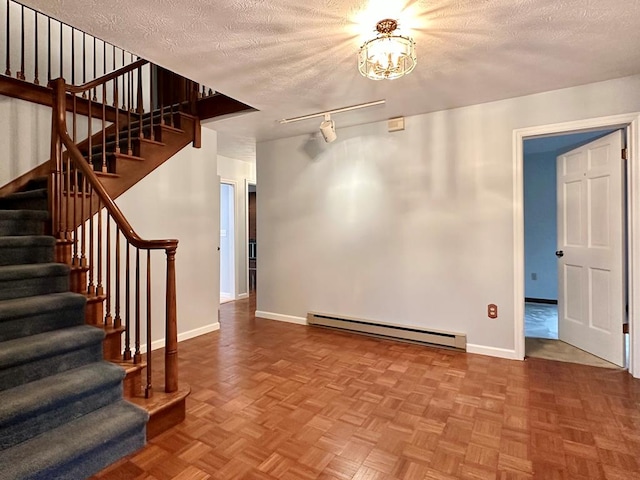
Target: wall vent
(388,330)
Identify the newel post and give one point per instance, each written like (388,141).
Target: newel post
(171,348)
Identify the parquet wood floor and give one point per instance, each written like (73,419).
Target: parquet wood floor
(272,400)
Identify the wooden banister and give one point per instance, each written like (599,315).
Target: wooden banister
(106,78)
(68,197)
(59,85)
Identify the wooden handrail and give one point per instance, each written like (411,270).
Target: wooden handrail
(105,78)
(58,85)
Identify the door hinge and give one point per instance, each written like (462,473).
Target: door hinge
(624,154)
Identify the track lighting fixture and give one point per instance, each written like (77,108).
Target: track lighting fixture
(328,129)
(328,126)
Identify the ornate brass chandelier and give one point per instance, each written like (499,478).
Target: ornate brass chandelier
(387,56)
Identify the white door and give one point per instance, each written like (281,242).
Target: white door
(591,248)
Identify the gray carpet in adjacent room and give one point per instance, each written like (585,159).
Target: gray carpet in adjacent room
(562,352)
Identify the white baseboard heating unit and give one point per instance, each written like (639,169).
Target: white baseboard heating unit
(389,330)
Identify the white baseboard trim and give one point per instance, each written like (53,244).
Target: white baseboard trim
(281,318)
(492,351)
(243,296)
(196,332)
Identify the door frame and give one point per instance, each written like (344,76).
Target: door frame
(234,261)
(631,121)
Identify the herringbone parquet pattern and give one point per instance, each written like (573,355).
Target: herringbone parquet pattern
(277,401)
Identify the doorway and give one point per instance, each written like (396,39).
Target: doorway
(227,242)
(523,273)
(252,238)
(541,237)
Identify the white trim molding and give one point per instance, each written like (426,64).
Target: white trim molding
(492,351)
(281,318)
(196,332)
(632,121)
(243,296)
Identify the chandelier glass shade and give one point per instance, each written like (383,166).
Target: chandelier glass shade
(387,56)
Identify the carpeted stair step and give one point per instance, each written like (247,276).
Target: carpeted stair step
(15,250)
(31,358)
(36,183)
(25,316)
(22,222)
(27,200)
(79,448)
(18,281)
(32,409)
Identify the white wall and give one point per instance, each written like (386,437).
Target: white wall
(239,172)
(413,227)
(25,137)
(540,226)
(177,201)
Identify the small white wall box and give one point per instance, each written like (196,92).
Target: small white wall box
(396,124)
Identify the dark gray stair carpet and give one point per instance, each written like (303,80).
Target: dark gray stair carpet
(33,408)
(31,358)
(79,448)
(26,249)
(22,222)
(62,415)
(28,200)
(21,317)
(18,281)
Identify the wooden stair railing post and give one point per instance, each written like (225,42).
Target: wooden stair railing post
(171,328)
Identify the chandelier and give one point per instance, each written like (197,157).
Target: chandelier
(387,56)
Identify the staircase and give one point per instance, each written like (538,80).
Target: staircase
(77,388)
(62,412)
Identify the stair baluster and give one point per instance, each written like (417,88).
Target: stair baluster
(7,70)
(148,391)
(98,256)
(117,321)
(20,73)
(104,131)
(36,80)
(61,52)
(127,304)
(137,356)
(49,49)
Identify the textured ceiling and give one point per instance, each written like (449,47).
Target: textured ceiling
(291,57)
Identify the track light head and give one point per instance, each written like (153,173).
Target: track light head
(328,129)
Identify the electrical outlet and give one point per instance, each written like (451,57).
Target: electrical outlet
(534,276)
(492,310)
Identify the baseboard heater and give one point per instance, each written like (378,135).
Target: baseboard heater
(388,330)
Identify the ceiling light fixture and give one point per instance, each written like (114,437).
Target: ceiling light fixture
(387,56)
(328,129)
(328,126)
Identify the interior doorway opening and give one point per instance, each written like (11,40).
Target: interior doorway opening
(252,238)
(227,242)
(630,124)
(540,228)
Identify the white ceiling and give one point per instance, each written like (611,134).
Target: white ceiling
(291,57)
